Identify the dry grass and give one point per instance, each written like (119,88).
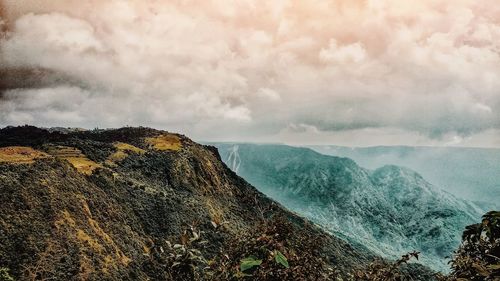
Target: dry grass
(20,155)
(216,212)
(116,157)
(98,251)
(83,164)
(165,142)
(121,146)
(76,158)
(66,219)
(83,237)
(123,150)
(103,236)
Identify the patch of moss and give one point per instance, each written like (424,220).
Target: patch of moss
(117,157)
(109,263)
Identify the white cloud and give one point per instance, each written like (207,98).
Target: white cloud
(352,53)
(269,94)
(429,70)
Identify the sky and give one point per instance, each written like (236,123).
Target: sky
(345,72)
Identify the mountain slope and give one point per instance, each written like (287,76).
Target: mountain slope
(471,173)
(390,210)
(98,205)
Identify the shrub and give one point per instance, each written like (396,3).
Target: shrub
(181,260)
(478,257)
(274,250)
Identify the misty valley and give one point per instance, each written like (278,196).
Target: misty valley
(389,210)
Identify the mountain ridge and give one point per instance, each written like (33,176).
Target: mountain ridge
(468,172)
(390,210)
(99,205)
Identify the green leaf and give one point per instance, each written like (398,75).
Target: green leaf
(281,259)
(248,263)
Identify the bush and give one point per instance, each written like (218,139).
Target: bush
(184,260)
(275,250)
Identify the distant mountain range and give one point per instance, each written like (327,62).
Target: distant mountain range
(390,210)
(471,173)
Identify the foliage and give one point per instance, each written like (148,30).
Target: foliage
(478,257)
(184,260)
(381,270)
(281,259)
(271,252)
(249,263)
(4,274)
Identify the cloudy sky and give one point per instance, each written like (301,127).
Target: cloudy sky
(347,72)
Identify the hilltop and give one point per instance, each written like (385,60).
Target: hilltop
(112,204)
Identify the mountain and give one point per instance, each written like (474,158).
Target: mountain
(471,173)
(143,204)
(390,210)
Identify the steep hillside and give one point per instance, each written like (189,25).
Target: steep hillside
(390,210)
(101,205)
(471,173)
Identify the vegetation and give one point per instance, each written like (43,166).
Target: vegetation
(478,258)
(75,157)
(5,275)
(268,253)
(271,252)
(381,270)
(20,155)
(165,142)
(121,146)
(185,260)
(61,223)
(122,151)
